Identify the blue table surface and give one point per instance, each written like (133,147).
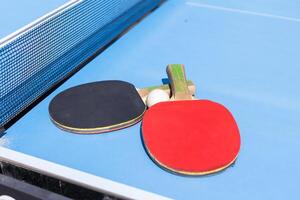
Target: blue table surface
(243,54)
(14,14)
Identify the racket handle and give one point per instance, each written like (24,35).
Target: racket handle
(143,92)
(178,82)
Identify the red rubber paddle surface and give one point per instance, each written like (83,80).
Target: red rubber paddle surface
(193,137)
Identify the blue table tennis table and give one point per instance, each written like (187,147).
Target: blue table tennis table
(243,54)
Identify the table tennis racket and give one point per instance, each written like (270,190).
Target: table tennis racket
(100,107)
(189,137)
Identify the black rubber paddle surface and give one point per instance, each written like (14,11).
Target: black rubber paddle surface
(97,107)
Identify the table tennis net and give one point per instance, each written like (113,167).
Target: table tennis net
(35,59)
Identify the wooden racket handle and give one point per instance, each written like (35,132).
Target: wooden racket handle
(178,82)
(143,92)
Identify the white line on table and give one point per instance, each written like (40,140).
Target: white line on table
(245,12)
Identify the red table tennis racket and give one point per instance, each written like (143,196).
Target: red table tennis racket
(190,137)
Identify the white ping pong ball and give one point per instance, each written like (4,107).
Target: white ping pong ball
(5,197)
(156,96)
